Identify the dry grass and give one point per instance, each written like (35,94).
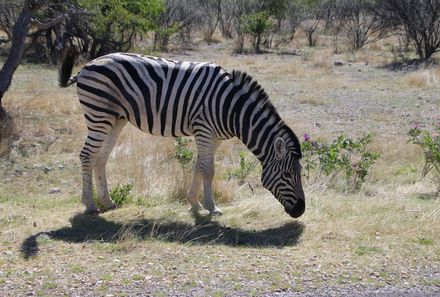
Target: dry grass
(323,60)
(312,100)
(423,78)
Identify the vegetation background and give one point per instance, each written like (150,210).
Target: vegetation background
(341,68)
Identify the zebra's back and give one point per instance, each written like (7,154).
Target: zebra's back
(159,96)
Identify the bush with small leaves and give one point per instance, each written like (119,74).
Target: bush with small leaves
(183,154)
(346,156)
(430,143)
(121,194)
(246,167)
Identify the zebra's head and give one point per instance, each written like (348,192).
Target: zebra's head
(282,176)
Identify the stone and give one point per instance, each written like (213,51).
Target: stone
(55,191)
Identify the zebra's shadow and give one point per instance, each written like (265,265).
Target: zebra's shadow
(86,228)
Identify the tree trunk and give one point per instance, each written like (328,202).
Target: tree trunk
(18,37)
(19,32)
(257,44)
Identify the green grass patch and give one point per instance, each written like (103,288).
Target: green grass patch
(425,241)
(367,250)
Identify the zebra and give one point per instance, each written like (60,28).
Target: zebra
(173,98)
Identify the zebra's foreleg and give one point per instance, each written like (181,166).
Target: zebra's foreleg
(205,165)
(101,162)
(194,192)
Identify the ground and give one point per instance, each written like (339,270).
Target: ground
(382,240)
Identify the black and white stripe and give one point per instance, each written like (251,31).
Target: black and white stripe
(172,98)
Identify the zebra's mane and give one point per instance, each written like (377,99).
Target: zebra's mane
(246,81)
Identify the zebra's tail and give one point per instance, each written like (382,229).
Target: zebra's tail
(65,71)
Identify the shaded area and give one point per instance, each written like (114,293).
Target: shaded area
(95,228)
(429,196)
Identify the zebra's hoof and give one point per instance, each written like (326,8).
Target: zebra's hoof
(216,212)
(199,212)
(91,212)
(113,207)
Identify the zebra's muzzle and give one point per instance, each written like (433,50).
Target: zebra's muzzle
(297,210)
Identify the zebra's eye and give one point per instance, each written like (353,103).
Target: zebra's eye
(287,175)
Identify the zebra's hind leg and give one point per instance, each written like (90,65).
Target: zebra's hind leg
(87,163)
(101,162)
(94,157)
(206,147)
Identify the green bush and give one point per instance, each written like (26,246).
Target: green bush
(344,156)
(183,154)
(121,194)
(256,25)
(246,167)
(430,143)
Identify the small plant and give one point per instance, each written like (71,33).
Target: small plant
(365,250)
(184,154)
(246,167)
(344,155)
(425,241)
(121,194)
(430,143)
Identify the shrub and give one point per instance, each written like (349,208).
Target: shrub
(344,155)
(121,194)
(256,25)
(430,143)
(246,167)
(184,154)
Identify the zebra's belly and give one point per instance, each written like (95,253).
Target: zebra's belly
(165,123)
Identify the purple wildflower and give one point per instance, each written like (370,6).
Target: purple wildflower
(306,137)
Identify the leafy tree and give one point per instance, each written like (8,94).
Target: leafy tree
(115,22)
(286,16)
(27,19)
(240,10)
(177,17)
(256,25)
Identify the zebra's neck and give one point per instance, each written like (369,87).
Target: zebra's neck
(259,135)
(249,115)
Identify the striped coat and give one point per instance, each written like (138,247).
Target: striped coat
(172,98)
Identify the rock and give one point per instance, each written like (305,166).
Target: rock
(55,191)
(47,169)
(339,63)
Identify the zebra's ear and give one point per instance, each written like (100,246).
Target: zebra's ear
(280,148)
